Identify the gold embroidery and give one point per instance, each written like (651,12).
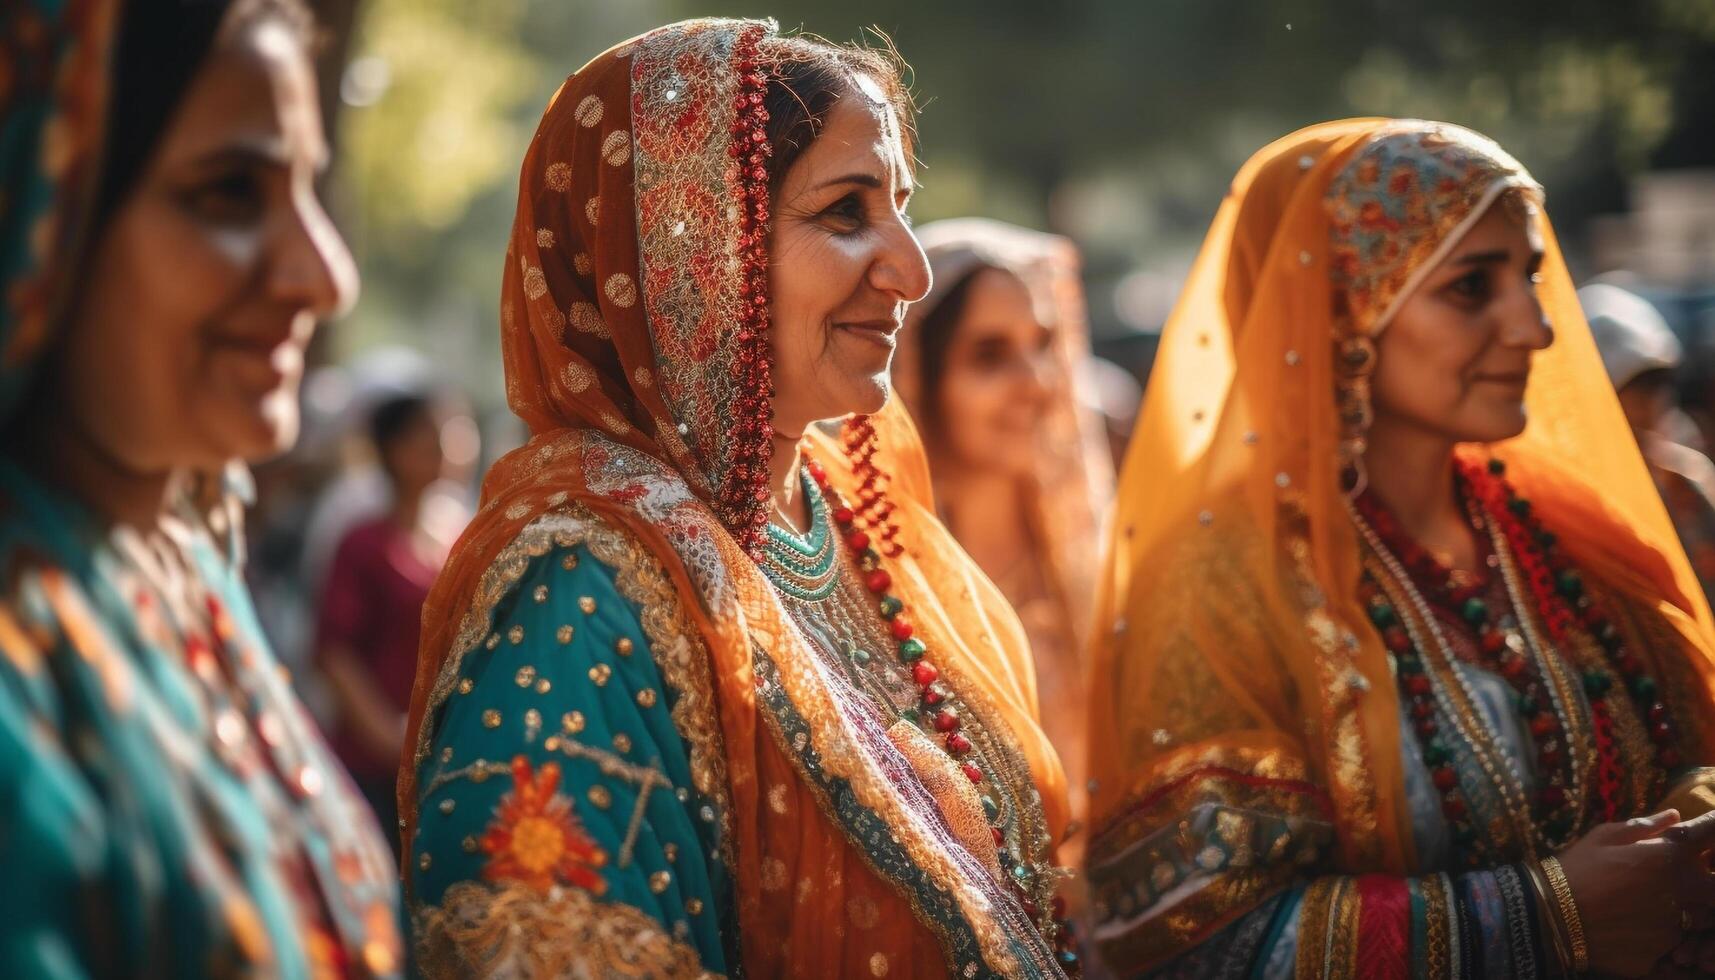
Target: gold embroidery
(514,931)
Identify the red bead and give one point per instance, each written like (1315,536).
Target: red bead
(1514,667)
(1397,639)
(972,773)
(924,673)
(902,630)
(1453,808)
(1553,797)
(1657,712)
(1661,731)
(1544,724)
(1427,727)
(1445,779)
(858,540)
(999,838)
(946,721)
(1422,709)
(1419,685)
(1550,758)
(933,695)
(1494,641)
(878,581)
(959,744)
(1669,758)
(1629,664)
(844,515)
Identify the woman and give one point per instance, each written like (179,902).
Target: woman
(657,730)
(990,369)
(369,624)
(1396,683)
(171,809)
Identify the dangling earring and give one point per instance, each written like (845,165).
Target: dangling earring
(1354,361)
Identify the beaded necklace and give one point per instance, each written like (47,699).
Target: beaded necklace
(1538,580)
(849,605)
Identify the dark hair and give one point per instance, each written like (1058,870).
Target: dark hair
(394,417)
(160,47)
(934,336)
(810,75)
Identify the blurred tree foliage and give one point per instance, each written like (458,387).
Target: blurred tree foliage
(1117,121)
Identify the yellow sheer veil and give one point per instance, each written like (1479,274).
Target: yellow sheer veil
(1233,564)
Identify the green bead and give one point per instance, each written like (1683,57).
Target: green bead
(1547,539)
(1475,611)
(1559,827)
(1436,754)
(1643,687)
(1569,583)
(990,807)
(1497,467)
(912,650)
(1526,704)
(891,606)
(912,715)
(1519,506)
(860,655)
(1410,664)
(1383,615)
(1021,872)
(1597,683)
(1465,835)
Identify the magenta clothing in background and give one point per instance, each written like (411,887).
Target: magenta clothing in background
(372,605)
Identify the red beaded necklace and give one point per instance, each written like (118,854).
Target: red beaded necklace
(1556,590)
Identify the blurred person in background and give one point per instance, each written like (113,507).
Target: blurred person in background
(171,809)
(1404,672)
(1643,358)
(372,599)
(991,365)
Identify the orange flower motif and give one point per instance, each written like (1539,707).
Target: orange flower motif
(536,839)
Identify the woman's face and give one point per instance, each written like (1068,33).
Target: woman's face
(1456,359)
(187,344)
(843,267)
(996,377)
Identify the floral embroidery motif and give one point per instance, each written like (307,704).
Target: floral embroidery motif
(1400,200)
(536,839)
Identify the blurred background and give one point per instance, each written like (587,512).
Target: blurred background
(1115,122)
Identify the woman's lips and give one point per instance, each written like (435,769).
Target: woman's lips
(882,333)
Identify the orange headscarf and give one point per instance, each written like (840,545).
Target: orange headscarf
(1237,660)
(630,329)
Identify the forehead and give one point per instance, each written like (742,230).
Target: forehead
(256,85)
(1507,224)
(859,136)
(1002,297)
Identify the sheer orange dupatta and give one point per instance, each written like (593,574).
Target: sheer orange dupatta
(1232,655)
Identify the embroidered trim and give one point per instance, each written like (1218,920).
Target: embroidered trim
(514,931)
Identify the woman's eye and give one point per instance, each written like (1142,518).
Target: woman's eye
(229,200)
(1473,285)
(845,214)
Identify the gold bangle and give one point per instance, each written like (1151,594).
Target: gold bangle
(1568,913)
(1550,916)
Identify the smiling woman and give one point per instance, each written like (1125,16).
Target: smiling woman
(171,809)
(657,731)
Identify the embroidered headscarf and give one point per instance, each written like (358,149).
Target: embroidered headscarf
(633,327)
(53,96)
(1237,667)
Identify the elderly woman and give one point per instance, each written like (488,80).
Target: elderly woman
(1404,668)
(170,808)
(702,690)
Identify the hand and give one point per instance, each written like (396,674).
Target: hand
(1630,880)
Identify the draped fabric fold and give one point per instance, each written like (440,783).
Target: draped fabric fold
(624,287)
